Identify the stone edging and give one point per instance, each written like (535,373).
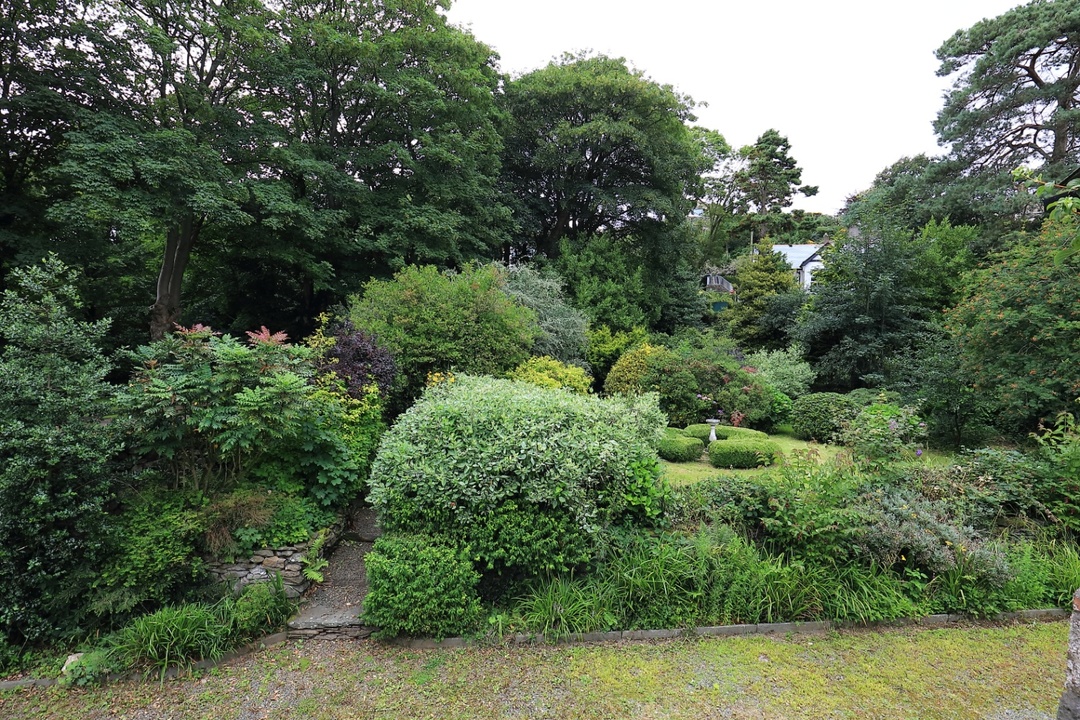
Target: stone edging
(816,626)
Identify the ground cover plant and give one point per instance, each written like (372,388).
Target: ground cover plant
(968,672)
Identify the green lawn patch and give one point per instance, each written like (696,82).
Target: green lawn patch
(957,673)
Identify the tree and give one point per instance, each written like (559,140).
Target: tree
(1014,99)
(1018,325)
(594,147)
(865,307)
(562,327)
(287,153)
(758,278)
(769,180)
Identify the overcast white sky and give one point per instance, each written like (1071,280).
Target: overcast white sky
(852,83)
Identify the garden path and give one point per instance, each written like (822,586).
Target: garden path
(331,611)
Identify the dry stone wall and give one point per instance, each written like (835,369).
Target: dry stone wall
(261,566)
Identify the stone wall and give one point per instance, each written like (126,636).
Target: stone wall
(260,567)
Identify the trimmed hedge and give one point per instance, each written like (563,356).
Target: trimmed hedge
(727,432)
(742,453)
(419,586)
(723,432)
(676,446)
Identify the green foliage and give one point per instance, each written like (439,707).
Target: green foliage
(628,374)
(758,278)
(930,377)
(549,373)
(1059,485)
(418,586)
(701,431)
(677,447)
(154,560)
(562,327)
(742,453)
(214,413)
(727,432)
(178,636)
(262,607)
(1018,327)
(821,416)
(1012,90)
(697,378)
(559,607)
(435,322)
(868,304)
(57,449)
(784,370)
(530,480)
(173,636)
(606,347)
(565,116)
(608,283)
(93,668)
(884,431)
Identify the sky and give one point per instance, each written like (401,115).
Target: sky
(851,83)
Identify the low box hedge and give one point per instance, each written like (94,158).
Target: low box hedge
(676,446)
(742,453)
(701,431)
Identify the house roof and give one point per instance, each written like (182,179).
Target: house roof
(798,255)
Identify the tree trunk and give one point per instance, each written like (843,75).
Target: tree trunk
(165,312)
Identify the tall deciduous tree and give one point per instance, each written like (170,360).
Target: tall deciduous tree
(591,147)
(1015,97)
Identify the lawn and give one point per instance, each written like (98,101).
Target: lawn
(966,672)
(690,472)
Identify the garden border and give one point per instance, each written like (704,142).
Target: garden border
(813,626)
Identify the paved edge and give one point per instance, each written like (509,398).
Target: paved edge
(816,626)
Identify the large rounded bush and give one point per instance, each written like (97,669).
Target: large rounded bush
(727,432)
(628,373)
(742,453)
(527,478)
(821,416)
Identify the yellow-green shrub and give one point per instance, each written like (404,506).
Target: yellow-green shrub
(548,372)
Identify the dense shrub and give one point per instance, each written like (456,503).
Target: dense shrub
(419,586)
(549,373)
(698,377)
(435,322)
(677,447)
(785,371)
(606,347)
(562,327)
(884,431)
(821,416)
(154,561)
(211,413)
(701,431)
(528,478)
(628,374)
(355,357)
(57,449)
(742,453)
